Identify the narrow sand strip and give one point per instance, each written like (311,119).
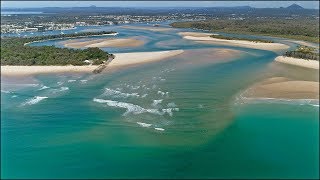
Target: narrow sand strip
(298,62)
(283,88)
(121,59)
(150,28)
(205,38)
(101,43)
(304,43)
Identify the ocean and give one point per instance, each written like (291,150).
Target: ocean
(178,118)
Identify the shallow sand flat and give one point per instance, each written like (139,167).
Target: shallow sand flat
(196,34)
(298,62)
(150,28)
(282,88)
(130,42)
(247,44)
(205,38)
(117,43)
(121,59)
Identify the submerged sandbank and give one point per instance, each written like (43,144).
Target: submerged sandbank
(313,64)
(283,88)
(101,43)
(205,38)
(121,59)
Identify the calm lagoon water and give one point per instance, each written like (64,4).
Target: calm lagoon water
(177,118)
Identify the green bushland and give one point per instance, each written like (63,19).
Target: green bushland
(244,39)
(300,29)
(15,52)
(304,52)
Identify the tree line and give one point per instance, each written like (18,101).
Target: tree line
(15,52)
(301,29)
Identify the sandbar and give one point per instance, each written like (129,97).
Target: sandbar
(150,28)
(205,38)
(284,88)
(104,42)
(121,59)
(313,64)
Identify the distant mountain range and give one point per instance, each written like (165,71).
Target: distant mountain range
(294,6)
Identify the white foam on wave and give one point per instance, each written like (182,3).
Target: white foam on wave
(83,81)
(60,83)
(72,80)
(135,109)
(159,129)
(64,89)
(43,87)
(135,87)
(315,105)
(34,100)
(163,93)
(4,91)
(61,89)
(170,110)
(144,124)
(116,93)
(156,102)
(145,95)
(172,104)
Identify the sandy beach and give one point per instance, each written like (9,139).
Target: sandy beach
(205,38)
(121,59)
(284,88)
(150,28)
(101,43)
(298,62)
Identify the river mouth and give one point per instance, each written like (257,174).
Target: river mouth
(177,118)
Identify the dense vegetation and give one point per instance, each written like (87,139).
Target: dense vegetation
(245,39)
(304,52)
(301,29)
(15,52)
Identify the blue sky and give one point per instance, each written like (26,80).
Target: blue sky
(259,4)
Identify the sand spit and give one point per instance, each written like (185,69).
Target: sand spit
(205,38)
(298,62)
(101,43)
(283,88)
(150,28)
(121,59)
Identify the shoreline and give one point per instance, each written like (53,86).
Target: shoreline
(121,59)
(205,38)
(112,34)
(312,64)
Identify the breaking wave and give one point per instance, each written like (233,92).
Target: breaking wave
(144,124)
(43,87)
(34,100)
(116,93)
(156,102)
(135,109)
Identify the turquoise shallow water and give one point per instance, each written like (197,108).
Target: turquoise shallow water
(177,118)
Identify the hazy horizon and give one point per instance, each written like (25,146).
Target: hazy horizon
(256,4)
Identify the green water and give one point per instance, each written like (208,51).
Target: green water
(179,118)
